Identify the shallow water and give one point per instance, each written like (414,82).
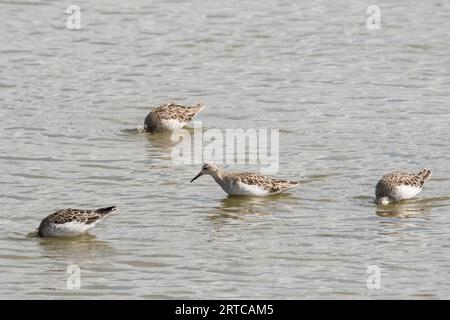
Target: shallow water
(351,104)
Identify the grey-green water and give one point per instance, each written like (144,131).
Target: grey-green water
(351,104)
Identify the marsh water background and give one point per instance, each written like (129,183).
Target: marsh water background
(351,104)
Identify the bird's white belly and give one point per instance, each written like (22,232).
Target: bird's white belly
(68,229)
(172,124)
(240,188)
(405,192)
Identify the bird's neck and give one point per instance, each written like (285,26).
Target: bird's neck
(218,177)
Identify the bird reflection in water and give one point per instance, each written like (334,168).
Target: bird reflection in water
(405,209)
(83,247)
(242,207)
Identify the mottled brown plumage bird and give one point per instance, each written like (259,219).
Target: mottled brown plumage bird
(170,116)
(245,183)
(400,185)
(72,222)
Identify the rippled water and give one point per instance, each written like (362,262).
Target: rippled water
(351,104)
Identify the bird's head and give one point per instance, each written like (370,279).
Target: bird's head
(207,168)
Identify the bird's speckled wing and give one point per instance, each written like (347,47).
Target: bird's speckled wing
(269,184)
(74,215)
(400,178)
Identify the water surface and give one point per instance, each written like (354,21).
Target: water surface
(351,104)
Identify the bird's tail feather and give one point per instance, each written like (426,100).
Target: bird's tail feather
(199,107)
(107,210)
(425,174)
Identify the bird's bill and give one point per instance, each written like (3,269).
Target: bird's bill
(197,176)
